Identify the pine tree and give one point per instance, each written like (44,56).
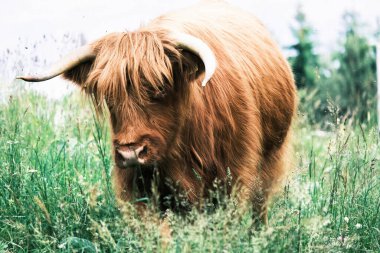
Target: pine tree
(305,62)
(354,81)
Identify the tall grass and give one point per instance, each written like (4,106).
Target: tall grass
(56,193)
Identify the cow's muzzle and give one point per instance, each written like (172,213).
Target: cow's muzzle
(131,155)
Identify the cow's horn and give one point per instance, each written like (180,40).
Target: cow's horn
(76,57)
(200,48)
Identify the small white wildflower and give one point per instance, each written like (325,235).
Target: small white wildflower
(32,171)
(358,226)
(62,246)
(326,222)
(327,170)
(339,238)
(346,219)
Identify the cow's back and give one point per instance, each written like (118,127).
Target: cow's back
(249,63)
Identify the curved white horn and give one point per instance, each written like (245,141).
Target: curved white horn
(71,60)
(201,49)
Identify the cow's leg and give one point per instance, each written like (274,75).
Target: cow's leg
(123,180)
(273,172)
(260,179)
(250,193)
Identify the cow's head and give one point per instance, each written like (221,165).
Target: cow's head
(144,78)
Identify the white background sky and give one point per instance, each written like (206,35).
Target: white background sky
(30,19)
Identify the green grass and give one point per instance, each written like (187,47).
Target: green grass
(56,193)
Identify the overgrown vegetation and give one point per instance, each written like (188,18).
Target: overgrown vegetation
(56,194)
(55,165)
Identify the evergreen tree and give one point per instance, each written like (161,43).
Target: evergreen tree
(354,81)
(377,33)
(305,62)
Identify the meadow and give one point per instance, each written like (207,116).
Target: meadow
(56,194)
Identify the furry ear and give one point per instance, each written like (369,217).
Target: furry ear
(79,73)
(192,65)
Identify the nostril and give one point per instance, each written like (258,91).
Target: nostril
(143,152)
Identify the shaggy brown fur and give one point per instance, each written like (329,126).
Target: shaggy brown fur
(238,123)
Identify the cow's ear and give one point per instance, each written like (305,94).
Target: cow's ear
(79,73)
(192,65)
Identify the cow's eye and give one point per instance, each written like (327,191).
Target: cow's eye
(157,94)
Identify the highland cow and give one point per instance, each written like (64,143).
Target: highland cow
(196,95)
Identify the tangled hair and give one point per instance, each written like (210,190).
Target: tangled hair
(238,124)
(121,71)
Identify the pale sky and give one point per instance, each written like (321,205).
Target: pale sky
(30,19)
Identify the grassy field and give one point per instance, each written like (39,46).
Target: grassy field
(56,194)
